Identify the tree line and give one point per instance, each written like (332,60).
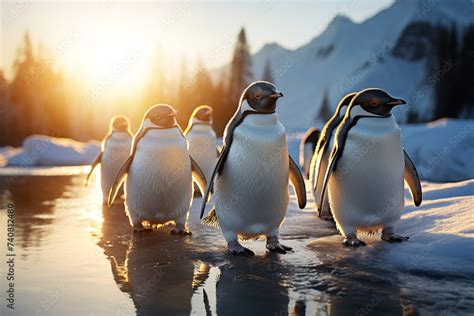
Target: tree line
(454,92)
(40,99)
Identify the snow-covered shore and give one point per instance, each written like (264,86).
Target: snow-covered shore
(40,150)
(441,234)
(441,150)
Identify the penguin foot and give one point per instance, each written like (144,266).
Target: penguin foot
(277,247)
(138,228)
(237,249)
(394,238)
(352,241)
(180,230)
(274,245)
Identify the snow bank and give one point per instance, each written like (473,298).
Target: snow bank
(441,150)
(39,150)
(441,235)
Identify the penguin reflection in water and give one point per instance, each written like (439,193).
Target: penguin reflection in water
(158,172)
(115,150)
(252,173)
(366,167)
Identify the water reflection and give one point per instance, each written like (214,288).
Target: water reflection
(34,199)
(172,275)
(115,241)
(156,269)
(355,287)
(253,286)
(77,242)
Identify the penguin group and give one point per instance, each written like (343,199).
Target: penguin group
(356,167)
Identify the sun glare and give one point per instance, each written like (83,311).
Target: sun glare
(113,57)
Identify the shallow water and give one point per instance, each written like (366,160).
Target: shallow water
(74,256)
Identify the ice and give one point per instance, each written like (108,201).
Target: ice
(41,150)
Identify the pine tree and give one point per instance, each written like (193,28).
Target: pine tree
(324,111)
(202,86)
(182,97)
(239,78)
(158,91)
(454,95)
(37,96)
(446,55)
(220,104)
(267,72)
(241,69)
(5,108)
(466,69)
(21,92)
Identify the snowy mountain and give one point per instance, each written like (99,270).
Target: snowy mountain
(390,50)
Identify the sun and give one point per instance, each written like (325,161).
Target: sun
(113,57)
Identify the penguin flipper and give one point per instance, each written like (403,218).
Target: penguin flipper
(198,176)
(210,184)
(413,180)
(94,164)
(297,181)
(119,178)
(326,133)
(336,152)
(188,128)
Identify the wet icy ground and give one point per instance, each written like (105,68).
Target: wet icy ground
(76,257)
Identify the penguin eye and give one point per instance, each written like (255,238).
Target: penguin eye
(258,95)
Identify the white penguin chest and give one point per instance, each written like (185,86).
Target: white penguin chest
(259,146)
(252,192)
(162,151)
(159,181)
(369,175)
(202,147)
(117,145)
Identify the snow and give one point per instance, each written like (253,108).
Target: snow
(441,150)
(441,234)
(40,150)
(360,57)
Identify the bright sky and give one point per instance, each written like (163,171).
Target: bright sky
(110,39)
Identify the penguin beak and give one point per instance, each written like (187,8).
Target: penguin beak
(276,94)
(173,114)
(395,102)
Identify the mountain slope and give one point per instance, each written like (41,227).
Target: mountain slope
(389,50)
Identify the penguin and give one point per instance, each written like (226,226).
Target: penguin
(115,150)
(321,154)
(159,172)
(202,139)
(366,168)
(251,177)
(307,147)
